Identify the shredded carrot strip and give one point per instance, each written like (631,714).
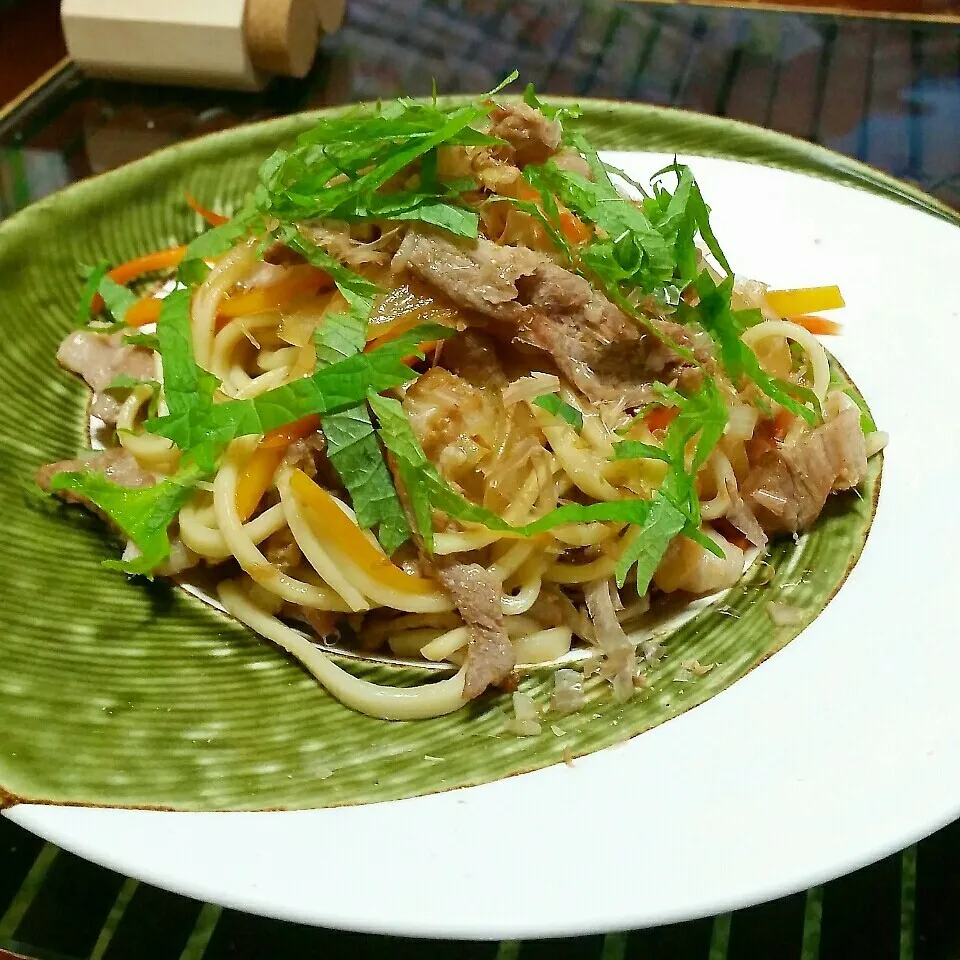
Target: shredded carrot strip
(212,217)
(384,332)
(795,303)
(327,518)
(781,424)
(125,272)
(573,228)
(258,471)
(289,433)
(661,417)
(378,334)
(301,281)
(253,483)
(523,191)
(145,310)
(819,325)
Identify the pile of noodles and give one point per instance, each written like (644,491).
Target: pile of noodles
(274,530)
(509,453)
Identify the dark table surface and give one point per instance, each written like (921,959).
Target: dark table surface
(884,91)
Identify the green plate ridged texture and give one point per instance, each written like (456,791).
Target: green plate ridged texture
(134,694)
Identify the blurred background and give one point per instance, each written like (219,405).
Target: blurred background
(875,79)
(878,80)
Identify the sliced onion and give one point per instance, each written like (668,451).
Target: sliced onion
(742,421)
(529,388)
(568,695)
(875,442)
(525,722)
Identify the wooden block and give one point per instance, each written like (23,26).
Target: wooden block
(235,44)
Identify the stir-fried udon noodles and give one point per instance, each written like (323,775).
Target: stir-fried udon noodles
(448,387)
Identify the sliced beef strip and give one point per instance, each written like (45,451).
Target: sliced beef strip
(117,465)
(532,137)
(310,456)
(594,345)
(477,595)
(99,359)
(788,487)
(472,356)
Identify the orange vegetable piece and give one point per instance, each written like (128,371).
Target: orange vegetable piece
(782,422)
(213,218)
(145,310)
(523,191)
(819,325)
(291,432)
(326,517)
(132,269)
(258,471)
(573,228)
(301,281)
(256,478)
(661,417)
(385,332)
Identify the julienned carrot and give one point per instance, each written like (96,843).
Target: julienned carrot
(145,310)
(818,325)
(380,333)
(573,228)
(283,436)
(213,218)
(256,478)
(301,280)
(804,300)
(326,517)
(132,269)
(258,471)
(661,417)
(523,191)
(782,422)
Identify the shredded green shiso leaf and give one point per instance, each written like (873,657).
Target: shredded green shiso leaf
(643,248)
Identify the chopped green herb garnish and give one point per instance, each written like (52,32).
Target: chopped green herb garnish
(124,383)
(352,444)
(552,403)
(648,545)
(426,489)
(684,215)
(643,256)
(91,282)
(147,340)
(726,327)
(635,450)
(559,114)
(116,297)
(204,430)
(365,151)
(144,514)
(675,506)
(343,276)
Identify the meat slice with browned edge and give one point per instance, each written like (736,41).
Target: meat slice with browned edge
(117,465)
(788,487)
(99,359)
(600,350)
(477,594)
(531,136)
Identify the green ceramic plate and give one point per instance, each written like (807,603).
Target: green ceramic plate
(841,748)
(125,693)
